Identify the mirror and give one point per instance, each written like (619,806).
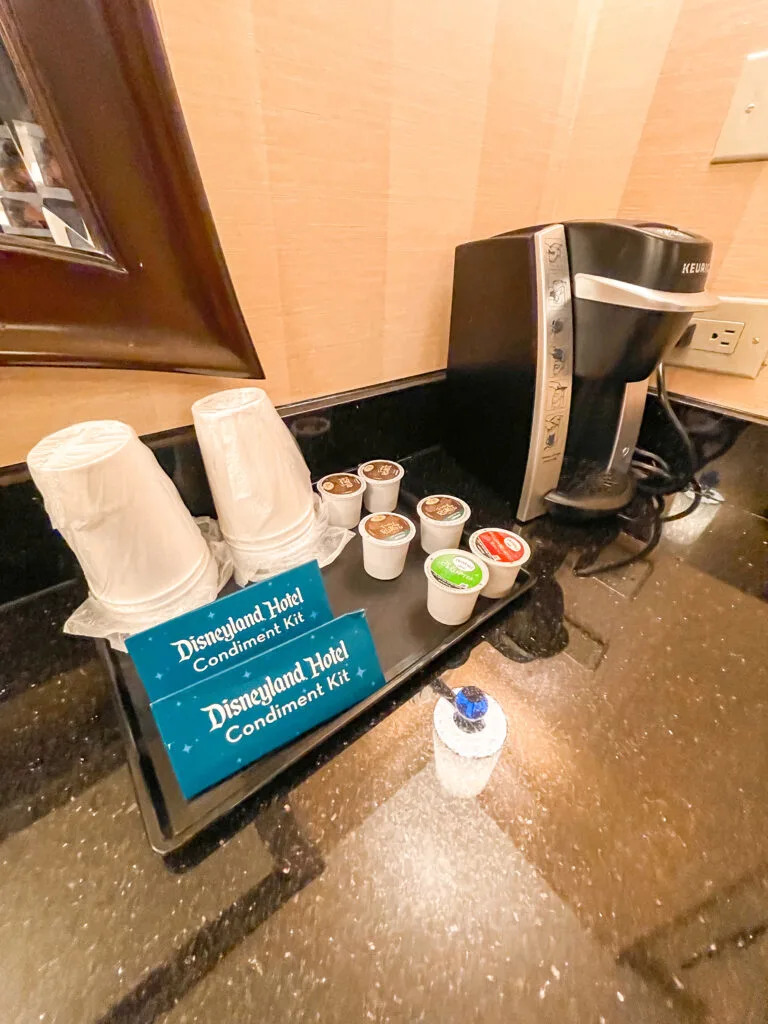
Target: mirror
(36,203)
(109,256)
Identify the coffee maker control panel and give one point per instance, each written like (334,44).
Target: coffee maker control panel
(554,370)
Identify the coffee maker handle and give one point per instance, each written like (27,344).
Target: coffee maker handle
(635,296)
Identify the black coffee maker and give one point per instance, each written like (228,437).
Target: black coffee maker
(555,331)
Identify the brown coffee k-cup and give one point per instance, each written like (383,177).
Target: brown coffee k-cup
(342,495)
(381,478)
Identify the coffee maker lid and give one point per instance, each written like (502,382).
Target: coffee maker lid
(649,256)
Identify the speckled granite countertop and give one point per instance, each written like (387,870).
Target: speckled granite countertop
(612,870)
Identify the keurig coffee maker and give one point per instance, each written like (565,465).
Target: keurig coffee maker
(555,331)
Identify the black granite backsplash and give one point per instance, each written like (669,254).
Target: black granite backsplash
(391,425)
(338,433)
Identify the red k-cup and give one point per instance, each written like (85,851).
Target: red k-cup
(503,552)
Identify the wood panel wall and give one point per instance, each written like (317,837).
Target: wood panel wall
(347,147)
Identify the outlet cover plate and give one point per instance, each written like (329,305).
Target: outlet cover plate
(746,357)
(744,135)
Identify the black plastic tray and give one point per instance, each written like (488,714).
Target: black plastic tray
(407,638)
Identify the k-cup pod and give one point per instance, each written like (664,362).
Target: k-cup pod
(343,496)
(442,519)
(140,550)
(503,552)
(382,484)
(454,581)
(386,536)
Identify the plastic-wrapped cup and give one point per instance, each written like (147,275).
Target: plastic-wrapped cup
(343,496)
(454,581)
(504,553)
(139,548)
(386,536)
(382,484)
(442,519)
(260,482)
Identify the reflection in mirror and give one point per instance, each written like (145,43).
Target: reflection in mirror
(36,204)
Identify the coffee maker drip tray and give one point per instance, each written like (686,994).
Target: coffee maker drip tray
(589,491)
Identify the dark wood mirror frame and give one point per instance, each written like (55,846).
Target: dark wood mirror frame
(97,74)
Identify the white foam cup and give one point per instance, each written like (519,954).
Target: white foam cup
(259,480)
(442,518)
(382,484)
(503,552)
(343,497)
(105,492)
(454,581)
(386,536)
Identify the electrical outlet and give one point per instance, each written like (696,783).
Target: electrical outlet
(732,338)
(716,335)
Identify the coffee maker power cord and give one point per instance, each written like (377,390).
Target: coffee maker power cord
(656,481)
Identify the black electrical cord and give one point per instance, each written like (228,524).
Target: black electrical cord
(650,471)
(694,486)
(648,485)
(621,563)
(655,481)
(652,457)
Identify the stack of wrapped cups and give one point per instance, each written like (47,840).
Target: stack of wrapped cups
(259,480)
(142,554)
